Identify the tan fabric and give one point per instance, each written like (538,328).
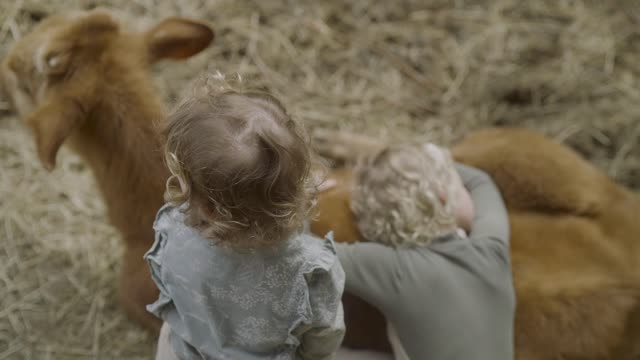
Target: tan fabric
(164,351)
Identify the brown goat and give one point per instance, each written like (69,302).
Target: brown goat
(575,249)
(79,79)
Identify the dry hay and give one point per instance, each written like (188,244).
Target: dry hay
(392,69)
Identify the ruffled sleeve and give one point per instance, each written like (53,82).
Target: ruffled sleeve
(154,260)
(325,284)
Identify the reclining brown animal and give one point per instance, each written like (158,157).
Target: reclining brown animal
(575,248)
(77,78)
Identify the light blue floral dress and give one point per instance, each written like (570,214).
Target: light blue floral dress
(221,304)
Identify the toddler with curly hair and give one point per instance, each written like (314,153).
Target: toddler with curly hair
(238,276)
(437,262)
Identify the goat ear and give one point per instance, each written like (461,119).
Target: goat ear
(51,124)
(177,38)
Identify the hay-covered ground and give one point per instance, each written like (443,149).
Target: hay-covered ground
(391,69)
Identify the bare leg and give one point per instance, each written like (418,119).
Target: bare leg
(164,350)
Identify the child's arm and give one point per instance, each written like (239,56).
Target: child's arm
(491,223)
(324,337)
(370,270)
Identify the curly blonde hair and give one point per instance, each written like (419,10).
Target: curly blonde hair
(240,164)
(405,195)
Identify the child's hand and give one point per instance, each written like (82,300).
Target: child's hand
(464,211)
(327,184)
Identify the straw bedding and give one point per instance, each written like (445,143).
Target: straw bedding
(397,70)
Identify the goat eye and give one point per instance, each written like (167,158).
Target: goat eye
(53,61)
(56,63)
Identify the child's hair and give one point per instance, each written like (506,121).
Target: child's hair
(399,191)
(240,164)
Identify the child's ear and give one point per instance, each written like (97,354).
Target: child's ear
(51,124)
(177,38)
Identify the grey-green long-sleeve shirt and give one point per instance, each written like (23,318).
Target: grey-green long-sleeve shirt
(452,300)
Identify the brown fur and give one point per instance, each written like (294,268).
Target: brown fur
(574,245)
(78,79)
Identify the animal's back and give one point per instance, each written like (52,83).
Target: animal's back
(573,252)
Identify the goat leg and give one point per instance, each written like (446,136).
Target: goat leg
(137,289)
